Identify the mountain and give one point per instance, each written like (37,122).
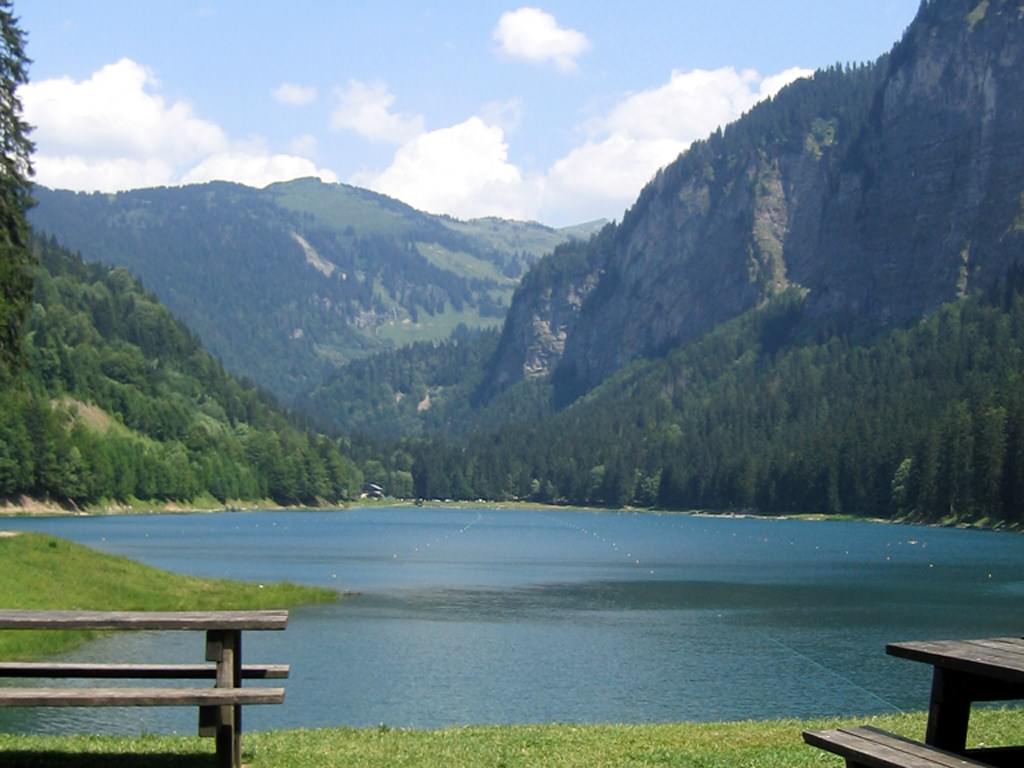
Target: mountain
(116,401)
(286,283)
(819,309)
(880,191)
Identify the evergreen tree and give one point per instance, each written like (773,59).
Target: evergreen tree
(15,170)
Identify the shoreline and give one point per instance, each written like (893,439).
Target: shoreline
(26,506)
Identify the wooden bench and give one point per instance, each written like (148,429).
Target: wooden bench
(219,706)
(136,671)
(867,747)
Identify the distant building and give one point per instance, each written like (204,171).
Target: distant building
(372,491)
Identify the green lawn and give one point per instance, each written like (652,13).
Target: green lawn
(770,744)
(40,571)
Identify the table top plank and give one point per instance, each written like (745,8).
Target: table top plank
(999,658)
(144,620)
(1011,645)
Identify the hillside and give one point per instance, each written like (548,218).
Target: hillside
(425,387)
(882,191)
(286,283)
(118,401)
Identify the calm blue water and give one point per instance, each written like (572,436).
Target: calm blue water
(467,616)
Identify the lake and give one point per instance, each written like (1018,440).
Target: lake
(516,616)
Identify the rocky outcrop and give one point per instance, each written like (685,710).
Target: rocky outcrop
(882,191)
(545,310)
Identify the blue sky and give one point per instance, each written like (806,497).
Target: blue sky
(558,111)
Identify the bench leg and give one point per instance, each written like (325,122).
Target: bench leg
(224,724)
(225,647)
(229,743)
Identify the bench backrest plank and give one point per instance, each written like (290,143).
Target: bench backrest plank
(144,620)
(37,669)
(137,697)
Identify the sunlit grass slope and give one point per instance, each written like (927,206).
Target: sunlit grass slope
(39,571)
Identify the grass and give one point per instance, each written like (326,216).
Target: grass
(44,572)
(92,416)
(768,744)
(338,206)
(977,14)
(502,234)
(460,263)
(433,327)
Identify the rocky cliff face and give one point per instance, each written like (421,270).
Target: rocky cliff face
(544,311)
(881,191)
(930,211)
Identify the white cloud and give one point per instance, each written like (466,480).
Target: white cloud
(648,130)
(462,170)
(255,169)
(465,170)
(105,174)
(295,95)
(773,84)
(602,178)
(114,131)
(366,109)
(114,115)
(534,35)
(689,106)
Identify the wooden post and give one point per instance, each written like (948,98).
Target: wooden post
(225,648)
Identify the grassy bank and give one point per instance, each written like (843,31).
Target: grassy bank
(41,571)
(770,744)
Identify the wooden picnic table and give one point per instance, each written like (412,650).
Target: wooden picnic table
(966,671)
(220,707)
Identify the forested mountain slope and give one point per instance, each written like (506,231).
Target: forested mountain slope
(882,191)
(422,388)
(286,283)
(116,400)
(924,423)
